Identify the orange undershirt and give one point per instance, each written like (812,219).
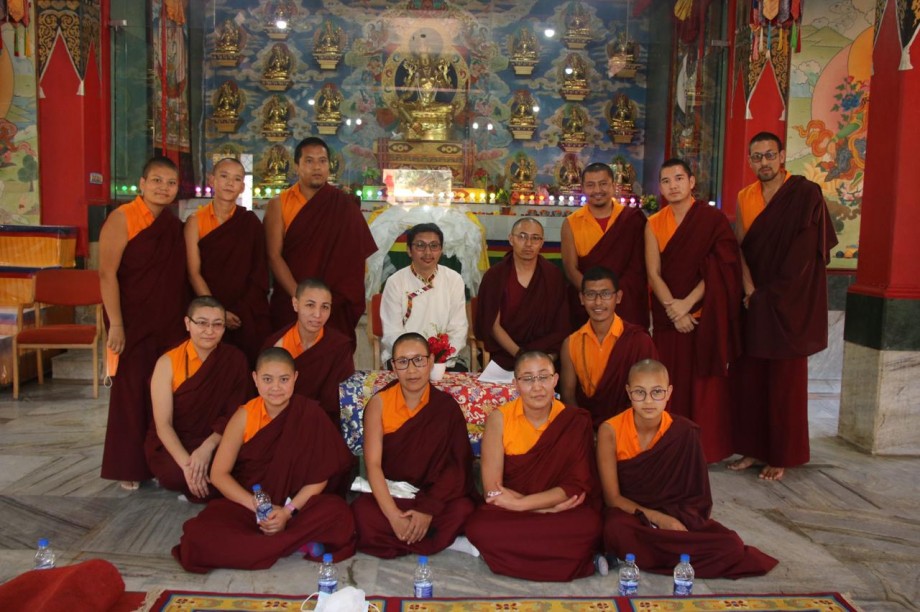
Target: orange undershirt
(292,201)
(589,356)
(663,225)
(519,435)
(751,202)
(207,219)
(138,216)
(587,231)
(395,412)
(627,436)
(256,418)
(292,343)
(185,363)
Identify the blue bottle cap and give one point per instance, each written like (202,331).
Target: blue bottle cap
(423,560)
(327,558)
(43,542)
(685,558)
(630,558)
(256,487)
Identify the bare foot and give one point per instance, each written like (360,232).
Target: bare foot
(741,464)
(772,473)
(130,485)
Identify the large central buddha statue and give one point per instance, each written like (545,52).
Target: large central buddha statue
(424,116)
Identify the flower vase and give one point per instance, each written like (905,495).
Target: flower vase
(437,372)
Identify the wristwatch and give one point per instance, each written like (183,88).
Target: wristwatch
(292,509)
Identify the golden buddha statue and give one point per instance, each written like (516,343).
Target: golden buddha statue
(227,104)
(620,116)
(575,72)
(328,42)
(573,124)
(328,115)
(228,41)
(623,175)
(522,109)
(621,57)
(278,66)
(524,45)
(523,171)
(577,26)
(569,175)
(275,119)
(282,12)
(424,117)
(277,167)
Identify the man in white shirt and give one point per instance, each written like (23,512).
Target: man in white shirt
(424,297)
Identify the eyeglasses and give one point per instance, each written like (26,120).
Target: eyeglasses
(525,237)
(202,324)
(605,295)
(426,246)
(402,363)
(529,380)
(769,156)
(657,394)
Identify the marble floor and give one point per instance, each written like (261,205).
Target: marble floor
(846,522)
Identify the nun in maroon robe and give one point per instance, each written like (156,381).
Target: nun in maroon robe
(554,547)
(703,248)
(153,289)
(202,405)
(432,452)
(321,368)
(298,447)
(535,317)
(672,477)
(329,240)
(621,249)
(787,250)
(234,264)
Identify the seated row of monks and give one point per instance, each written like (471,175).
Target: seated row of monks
(542,514)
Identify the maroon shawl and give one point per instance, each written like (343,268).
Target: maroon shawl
(321,368)
(705,248)
(153,287)
(432,452)
(204,403)
(622,249)
(540,323)
(328,239)
(610,397)
(234,264)
(787,250)
(562,457)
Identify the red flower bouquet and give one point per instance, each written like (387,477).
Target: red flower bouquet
(439,346)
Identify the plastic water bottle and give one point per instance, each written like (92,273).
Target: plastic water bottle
(424,588)
(629,577)
(263,503)
(44,557)
(683,577)
(328,575)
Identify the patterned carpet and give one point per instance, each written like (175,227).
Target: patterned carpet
(176,601)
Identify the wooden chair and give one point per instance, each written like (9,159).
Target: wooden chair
(375,328)
(475,344)
(60,288)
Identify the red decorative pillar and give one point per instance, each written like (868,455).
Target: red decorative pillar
(880,397)
(73,112)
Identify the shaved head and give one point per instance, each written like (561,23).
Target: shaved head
(647,366)
(275,354)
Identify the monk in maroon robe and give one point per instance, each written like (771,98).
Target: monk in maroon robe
(694,268)
(519,306)
(145,292)
(227,259)
(195,389)
(541,519)
(606,233)
(323,356)
(415,434)
(293,451)
(315,230)
(596,358)
(786,234)
(656,485)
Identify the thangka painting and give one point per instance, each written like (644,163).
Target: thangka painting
(19,196)
(829,109)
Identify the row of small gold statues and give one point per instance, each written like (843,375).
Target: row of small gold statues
(328,47)
(620,116)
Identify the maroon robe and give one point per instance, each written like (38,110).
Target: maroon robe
(610,398)
(329,240)
(541,321)
(154,290)
(202,405)
(430,451)
(672,478)
(321,368)
(622,250)
(703,248)
(234,264)
(297,448)
(786,249)
(545,546)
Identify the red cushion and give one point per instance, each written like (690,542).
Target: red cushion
(58,334)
